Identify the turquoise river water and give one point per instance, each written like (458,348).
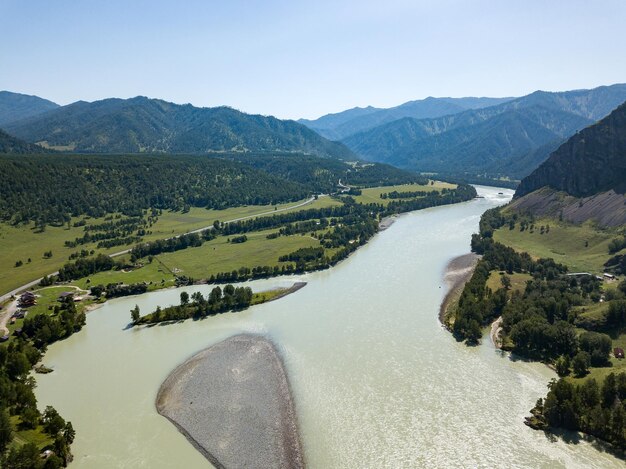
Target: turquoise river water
(377,381)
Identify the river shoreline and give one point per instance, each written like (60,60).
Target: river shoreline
(494,333)
(233,402)
(458,271)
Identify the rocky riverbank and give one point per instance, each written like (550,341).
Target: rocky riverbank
(458,271)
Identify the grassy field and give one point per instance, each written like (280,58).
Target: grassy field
(582,248)
(372,194)
(22,242)
(47,299)
(212,257)
(155,274)
(36,436)
(220,256)
(518,281)
(175,222)
(617,365)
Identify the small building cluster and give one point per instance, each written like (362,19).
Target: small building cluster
(618,352)
(27,299)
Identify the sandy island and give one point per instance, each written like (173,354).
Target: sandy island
(458,272)
(233,403)
(387,222)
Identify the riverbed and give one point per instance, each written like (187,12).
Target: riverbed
(376,381)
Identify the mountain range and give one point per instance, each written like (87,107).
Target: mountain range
(343,124)
(143,125)
(510,138)
(466,138)
(15,106)
(584,179)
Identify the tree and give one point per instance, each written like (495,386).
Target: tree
(562,365)
(135,315)
(69,433)
(215,296)
(197,298)
(184,298)
(609,390)
(474,333)
(53,423)
(6,430)
(53,462)
(506,281)
(17,364)
(26,457)
(61,449)
(30,417)
(581,363)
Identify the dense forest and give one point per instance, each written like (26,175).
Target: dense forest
(18,404)
(323,174)
(596,408)
(50,190)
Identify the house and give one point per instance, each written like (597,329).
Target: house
(27,299)
(65,295)
(19,314)
(618,352)
(608,276)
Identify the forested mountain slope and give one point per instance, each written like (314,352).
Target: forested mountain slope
(10,144)
(509,139)
(141,125)
(585,178)
(16,106)
(342,125)
(50,188)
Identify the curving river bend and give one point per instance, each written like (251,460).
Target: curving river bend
(377,382)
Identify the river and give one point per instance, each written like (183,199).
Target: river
(377,381)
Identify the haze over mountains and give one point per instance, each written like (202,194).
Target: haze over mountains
(454,137)
(343,124)
(15,106)
(141,125)
(509,138)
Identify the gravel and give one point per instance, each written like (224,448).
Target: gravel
(233,403)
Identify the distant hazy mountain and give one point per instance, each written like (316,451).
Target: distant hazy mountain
(341,125)
(141,124)
(584,179)
(15,106)
(509,139)
(10,144)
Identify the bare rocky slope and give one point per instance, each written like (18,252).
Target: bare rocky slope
(584,179)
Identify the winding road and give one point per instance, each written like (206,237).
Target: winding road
(15,291)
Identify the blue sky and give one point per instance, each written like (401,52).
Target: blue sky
(297,59)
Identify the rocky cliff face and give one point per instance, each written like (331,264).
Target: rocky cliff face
(590,162)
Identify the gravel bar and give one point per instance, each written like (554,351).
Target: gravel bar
(233,403)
